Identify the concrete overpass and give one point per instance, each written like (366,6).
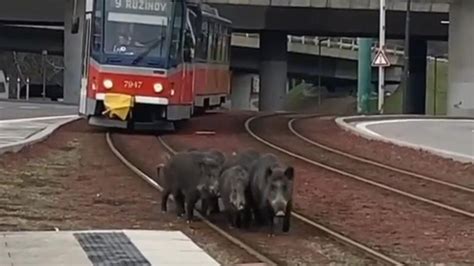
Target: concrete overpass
(338,57)
(274,19)
(350,18)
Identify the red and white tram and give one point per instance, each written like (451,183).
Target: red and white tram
(149,63)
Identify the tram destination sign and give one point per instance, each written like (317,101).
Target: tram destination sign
(148,7)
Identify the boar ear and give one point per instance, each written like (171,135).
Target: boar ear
(268,172)
(290,172)
(166,158)
(200,187)
(204,163)
(159,169)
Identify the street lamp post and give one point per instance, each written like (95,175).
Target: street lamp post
(406,70)
(319,71)
(381,89)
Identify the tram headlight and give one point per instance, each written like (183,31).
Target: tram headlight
(108,84)
(158,87)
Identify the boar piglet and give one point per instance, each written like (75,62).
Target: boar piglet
(235,193)
(272,191)
(190,176)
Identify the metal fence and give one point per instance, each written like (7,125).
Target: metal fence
(337,43)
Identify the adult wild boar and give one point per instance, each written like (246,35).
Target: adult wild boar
(245,159)
(189,176)
(234,186)
(272,191)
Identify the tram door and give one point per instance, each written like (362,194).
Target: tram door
(85,63)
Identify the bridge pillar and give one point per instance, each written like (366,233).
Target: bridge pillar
(241,91)
(273,70)
(73,53)
(416,96)
(460,101)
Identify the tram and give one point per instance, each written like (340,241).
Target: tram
(151,63)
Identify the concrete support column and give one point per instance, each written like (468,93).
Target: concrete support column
(73,53)
(241,91)
(416,96)
(364,79)
(460,100)
(273,70)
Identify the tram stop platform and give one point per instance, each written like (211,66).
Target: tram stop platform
(101,247)
(449,137)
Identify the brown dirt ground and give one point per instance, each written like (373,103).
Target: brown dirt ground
(410,231)
(327,132)
(430,190)
(73,182)
(301,247)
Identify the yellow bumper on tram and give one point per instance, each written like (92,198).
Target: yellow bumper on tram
(118,105)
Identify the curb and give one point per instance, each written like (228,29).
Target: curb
(344,124)
(37,137)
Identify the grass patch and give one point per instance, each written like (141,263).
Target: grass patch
(296,100)
(436,97)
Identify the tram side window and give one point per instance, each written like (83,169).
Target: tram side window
(229,44)
(210,41)
(212,32)
(219,43)
(215,43)
(97,31)
(203,41)
(223,43)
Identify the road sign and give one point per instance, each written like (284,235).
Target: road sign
(381,60)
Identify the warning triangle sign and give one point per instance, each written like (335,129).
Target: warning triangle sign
(381,60)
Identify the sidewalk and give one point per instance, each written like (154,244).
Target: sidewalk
(18,133)
(101,247)
(449,137)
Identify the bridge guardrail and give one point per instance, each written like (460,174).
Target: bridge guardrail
(338,43)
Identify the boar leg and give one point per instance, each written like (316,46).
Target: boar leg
(204,206)
(270,218)
(258,217)
(287,218)
(215,205)
(179,202)
(191,199)
(230,218)
(164,200)
(237,220)
(246,217)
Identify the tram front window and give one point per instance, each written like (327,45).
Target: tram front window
(135,27)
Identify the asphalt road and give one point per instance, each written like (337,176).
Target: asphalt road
(16,110)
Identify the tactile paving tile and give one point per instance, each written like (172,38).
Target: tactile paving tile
(113,248)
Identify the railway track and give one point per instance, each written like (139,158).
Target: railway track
(291,126)
(441,194)
(303,225)
(346,241)
(258,255)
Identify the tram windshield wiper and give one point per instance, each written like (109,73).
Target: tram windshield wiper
(145,53)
